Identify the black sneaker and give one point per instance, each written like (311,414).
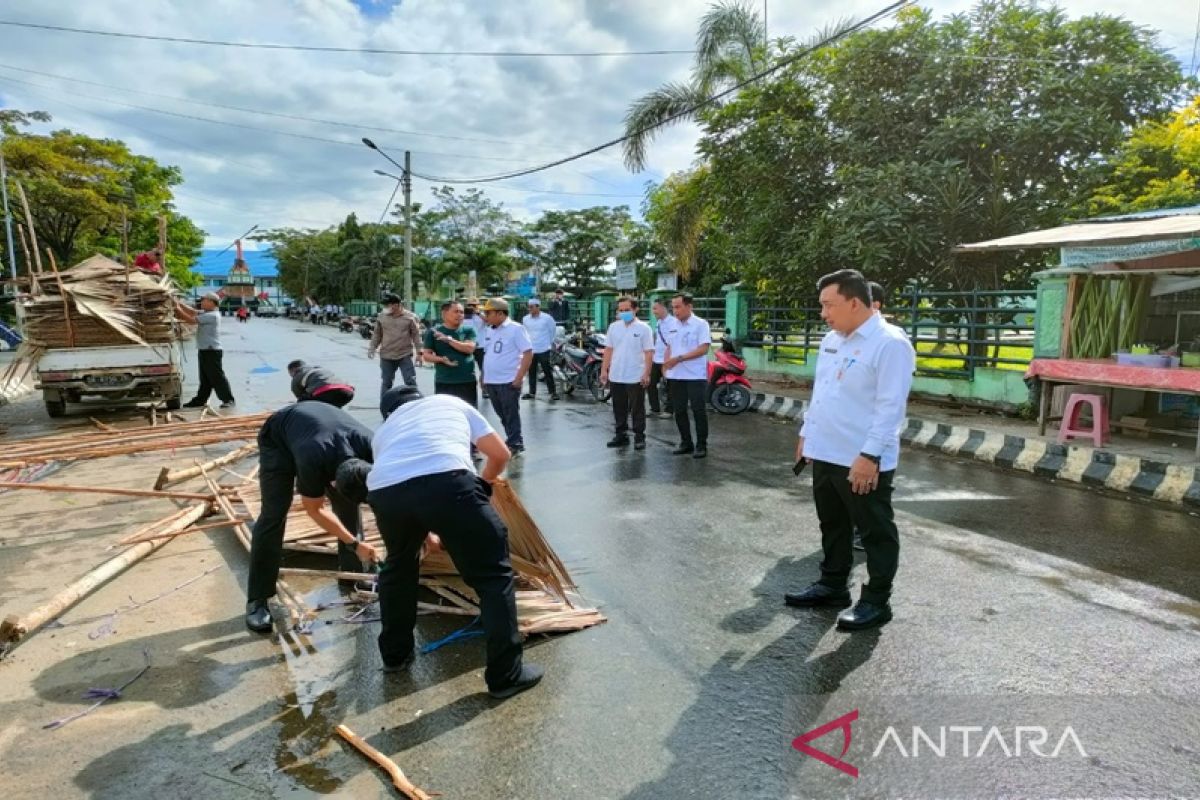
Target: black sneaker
(229,404)
(618,441)
(530,676)
(683,450)
(398,665)
(701,451)
(639,444)
(528,396)
(194,404)
(258,616)
(555,397)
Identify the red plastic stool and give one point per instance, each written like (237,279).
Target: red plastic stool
(1069,427)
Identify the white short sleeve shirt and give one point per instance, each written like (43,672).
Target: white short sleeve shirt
(683,337)
(629,344)
(425,437)
(503,347)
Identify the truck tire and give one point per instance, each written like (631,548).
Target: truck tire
(56,408)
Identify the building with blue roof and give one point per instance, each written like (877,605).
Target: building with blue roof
(215,267)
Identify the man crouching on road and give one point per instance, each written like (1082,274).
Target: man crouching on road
(851,436)
(300,449)
(423,482)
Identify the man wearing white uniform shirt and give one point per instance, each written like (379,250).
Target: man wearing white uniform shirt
(626,369)
(423,482)
(541,329)
(851,436)
(507,356)
(688,342)
(661,314)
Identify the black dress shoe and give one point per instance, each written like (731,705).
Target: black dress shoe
(258,616)
(527,396)
(818,595)
(398,665)
(701,451)
(555,397)
(683,450)
(864,615)
(639,444)
(618,441)
(530,675)
(194,404)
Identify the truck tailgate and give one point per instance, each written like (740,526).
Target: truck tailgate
(85,358)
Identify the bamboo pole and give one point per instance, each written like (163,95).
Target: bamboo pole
(399,780)
(111,490)
(208,526)
(14,629)
(66,300)
(37,258)
(167,476)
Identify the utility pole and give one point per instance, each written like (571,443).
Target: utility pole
(407,175)
(12,256)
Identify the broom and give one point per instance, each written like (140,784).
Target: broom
(526,542)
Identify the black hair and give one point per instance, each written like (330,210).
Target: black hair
(850,284)
(391,299)
(297,364)
(686,298)
(446,305)
(627,299)
(877,292)
(351,479)
(397,396)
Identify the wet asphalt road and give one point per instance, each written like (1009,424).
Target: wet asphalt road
(1018,602)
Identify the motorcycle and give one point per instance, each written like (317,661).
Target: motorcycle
(728,387)
(576,363)
(366,328)
(347,324)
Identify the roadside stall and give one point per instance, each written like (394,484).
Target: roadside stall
(1121,313)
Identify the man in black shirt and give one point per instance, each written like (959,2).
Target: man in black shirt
(300,449)
(558,308)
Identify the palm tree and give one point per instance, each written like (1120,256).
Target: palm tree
(367,260)
(730,47)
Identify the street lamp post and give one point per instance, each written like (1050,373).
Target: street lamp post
(405,182)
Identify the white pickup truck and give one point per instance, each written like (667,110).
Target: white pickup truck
(127,372)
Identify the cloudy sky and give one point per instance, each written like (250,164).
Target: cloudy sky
(460,116)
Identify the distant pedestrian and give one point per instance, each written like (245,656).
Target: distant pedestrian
(851,436)
(688,342)
(626,368)
(473,318)
(318,383)
(661,314)
(450,347)
(542,329)
(509,354)
(243,313)
(209,355)
(559,308)
(314,312)
(397,335)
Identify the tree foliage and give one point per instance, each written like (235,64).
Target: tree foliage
(575,247)
(1158,167)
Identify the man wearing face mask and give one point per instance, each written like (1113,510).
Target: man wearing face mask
(626,368)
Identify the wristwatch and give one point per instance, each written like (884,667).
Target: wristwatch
(870,457)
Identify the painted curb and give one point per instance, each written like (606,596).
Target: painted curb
(1171,483)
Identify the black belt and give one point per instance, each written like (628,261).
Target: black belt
(454,473)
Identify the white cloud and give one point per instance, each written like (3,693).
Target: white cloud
(531,109)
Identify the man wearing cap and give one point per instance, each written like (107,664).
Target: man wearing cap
(507,356)
(542,329)
(626,368)
(396,336)
(300,450)
(209,355)
(450,347)
(318,383)
(422,482)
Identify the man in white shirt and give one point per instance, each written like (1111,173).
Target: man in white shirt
(423,481)
(541,329)
(473,318)
(626,368)
(688,342)
(851,436)
(507,356)
(661,314)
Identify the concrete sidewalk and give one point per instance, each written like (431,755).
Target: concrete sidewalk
(1150,468)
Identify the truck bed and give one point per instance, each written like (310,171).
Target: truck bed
(85,358)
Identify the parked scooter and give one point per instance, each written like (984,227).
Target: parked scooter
(577,361)
(347,324)
(366,327)
(728,387)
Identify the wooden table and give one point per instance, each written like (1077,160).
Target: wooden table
(1111,375)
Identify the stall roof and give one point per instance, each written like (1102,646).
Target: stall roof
(1091,234)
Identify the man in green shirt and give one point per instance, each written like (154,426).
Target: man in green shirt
(450,347)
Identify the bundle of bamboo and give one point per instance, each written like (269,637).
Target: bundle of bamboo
(120,441)
(98,303)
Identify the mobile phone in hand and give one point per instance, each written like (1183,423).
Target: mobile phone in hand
(799,467)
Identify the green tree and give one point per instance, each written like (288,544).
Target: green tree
(574,247)
(367,260)
(1158,167)
(310,262)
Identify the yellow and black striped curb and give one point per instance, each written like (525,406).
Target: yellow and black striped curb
(1172,483)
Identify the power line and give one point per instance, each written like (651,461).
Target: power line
(356,50)
(887,11)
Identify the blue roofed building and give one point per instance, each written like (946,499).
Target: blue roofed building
(234,273)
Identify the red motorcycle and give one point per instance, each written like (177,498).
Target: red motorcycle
(728,387)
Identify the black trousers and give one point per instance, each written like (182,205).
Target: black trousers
(212,377)
(542,360)
(277,482)
(690,393)
(656,378)
(506,402)
(337,398)
(840,511)
(467,392)
(629,399)
(455,506)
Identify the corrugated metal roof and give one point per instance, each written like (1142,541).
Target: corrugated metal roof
(262,263)
(1087,234)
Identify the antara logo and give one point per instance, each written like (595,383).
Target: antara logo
(943,742)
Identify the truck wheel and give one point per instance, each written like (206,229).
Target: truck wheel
(56,408)
(172,403)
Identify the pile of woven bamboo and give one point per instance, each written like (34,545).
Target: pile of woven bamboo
(121,441)
(98,303)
